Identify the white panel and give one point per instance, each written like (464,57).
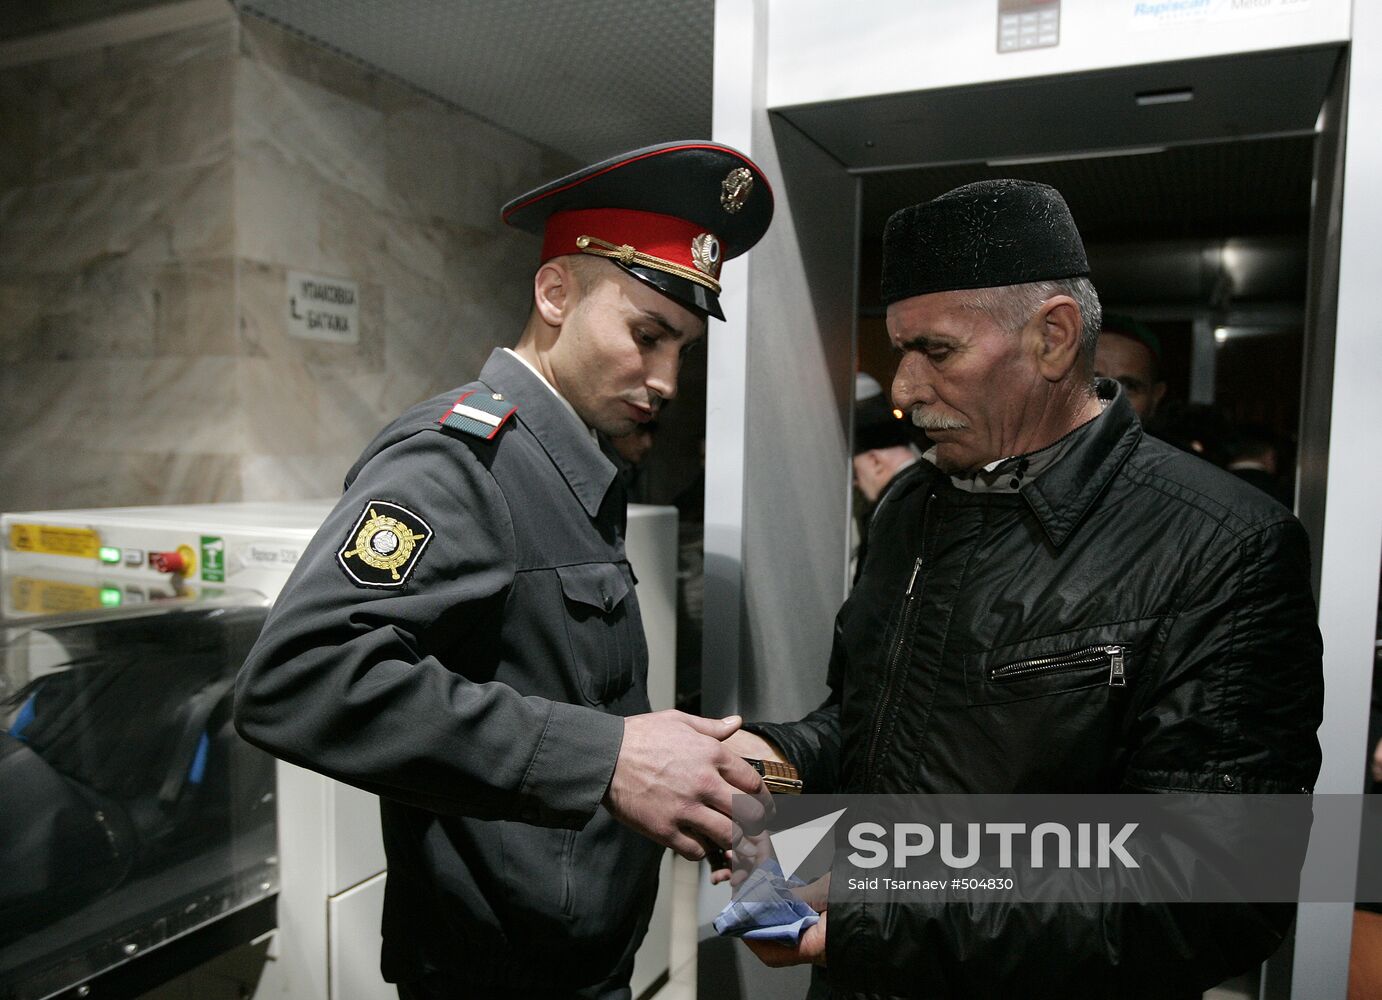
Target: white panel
(356,843)
(797,408)
(1352,543)
(823,50)
(777,453)
(298,969)
(651,544)
(655,953)
(354,921)
(740,54)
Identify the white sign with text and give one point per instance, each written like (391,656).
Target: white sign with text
(321,308)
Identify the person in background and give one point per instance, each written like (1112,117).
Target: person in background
(883,448)
(1254,457)
(1130,354)
(883,440)
(1198,428)
(463,638)
(632,449)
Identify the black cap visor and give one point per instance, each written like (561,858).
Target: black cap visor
(695,297)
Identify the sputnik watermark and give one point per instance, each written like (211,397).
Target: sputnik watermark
(1090,845)
(1133,848)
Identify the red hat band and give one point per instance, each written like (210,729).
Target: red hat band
(639,239)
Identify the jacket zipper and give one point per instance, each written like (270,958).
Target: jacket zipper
(895,656)
(1114,656)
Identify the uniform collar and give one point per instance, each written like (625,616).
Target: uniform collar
(550,388)
(1063,494)
(562,434)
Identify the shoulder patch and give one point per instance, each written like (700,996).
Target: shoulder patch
(479,414)
(384,546)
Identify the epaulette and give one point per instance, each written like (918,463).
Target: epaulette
(478,413)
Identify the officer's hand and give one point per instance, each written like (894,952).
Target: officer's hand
(674,780)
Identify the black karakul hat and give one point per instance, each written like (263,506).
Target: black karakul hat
(981,235)
(670,215)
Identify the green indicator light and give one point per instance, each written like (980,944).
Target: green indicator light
(109,554)
(110,597)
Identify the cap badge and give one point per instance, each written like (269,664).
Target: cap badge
(705,254)
(735,188)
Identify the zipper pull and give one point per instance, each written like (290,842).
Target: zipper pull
(916,568)
(1117,677)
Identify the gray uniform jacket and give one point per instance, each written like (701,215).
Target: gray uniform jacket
(477,686)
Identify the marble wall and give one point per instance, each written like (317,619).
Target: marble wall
(117,274)
(153,197)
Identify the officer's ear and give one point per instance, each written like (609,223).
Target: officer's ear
(554,291)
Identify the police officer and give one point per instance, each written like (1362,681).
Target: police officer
(463,638)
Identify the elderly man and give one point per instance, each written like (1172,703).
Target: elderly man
(463,636)
(1055,602)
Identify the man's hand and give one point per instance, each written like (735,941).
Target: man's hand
(674,780)
(811,947)
(747,744)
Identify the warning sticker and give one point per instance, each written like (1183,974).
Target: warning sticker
(52,540)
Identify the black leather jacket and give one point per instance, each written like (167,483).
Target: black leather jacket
(1191,588)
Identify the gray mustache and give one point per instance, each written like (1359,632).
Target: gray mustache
(935,422)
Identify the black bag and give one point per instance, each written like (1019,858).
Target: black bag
(124,759)
(61,845)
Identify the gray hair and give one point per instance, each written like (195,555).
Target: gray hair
(1011,306)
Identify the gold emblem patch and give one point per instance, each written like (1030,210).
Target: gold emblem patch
(384,546)
(705,254)
(735,188)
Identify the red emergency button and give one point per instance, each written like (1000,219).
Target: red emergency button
(179,562)
(168,562)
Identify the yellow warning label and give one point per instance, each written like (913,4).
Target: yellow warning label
(52,540)
(52,597)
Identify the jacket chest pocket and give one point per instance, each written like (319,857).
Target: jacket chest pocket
(603,628)
(1105,656)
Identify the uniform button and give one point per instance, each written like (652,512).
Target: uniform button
(1229,782)
(609,601)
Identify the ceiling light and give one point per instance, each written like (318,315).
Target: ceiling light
(1086,154)
(1151,98)
(1221,334)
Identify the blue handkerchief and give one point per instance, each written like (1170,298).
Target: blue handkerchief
(766,909)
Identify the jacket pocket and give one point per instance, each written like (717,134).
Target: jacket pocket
(603,628)
(1102,656)
(537,876)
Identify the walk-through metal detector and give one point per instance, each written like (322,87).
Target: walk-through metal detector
(780,374)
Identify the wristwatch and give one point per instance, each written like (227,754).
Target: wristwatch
(779,777)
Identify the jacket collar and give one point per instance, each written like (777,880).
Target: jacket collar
(561,433)
(1063,495)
